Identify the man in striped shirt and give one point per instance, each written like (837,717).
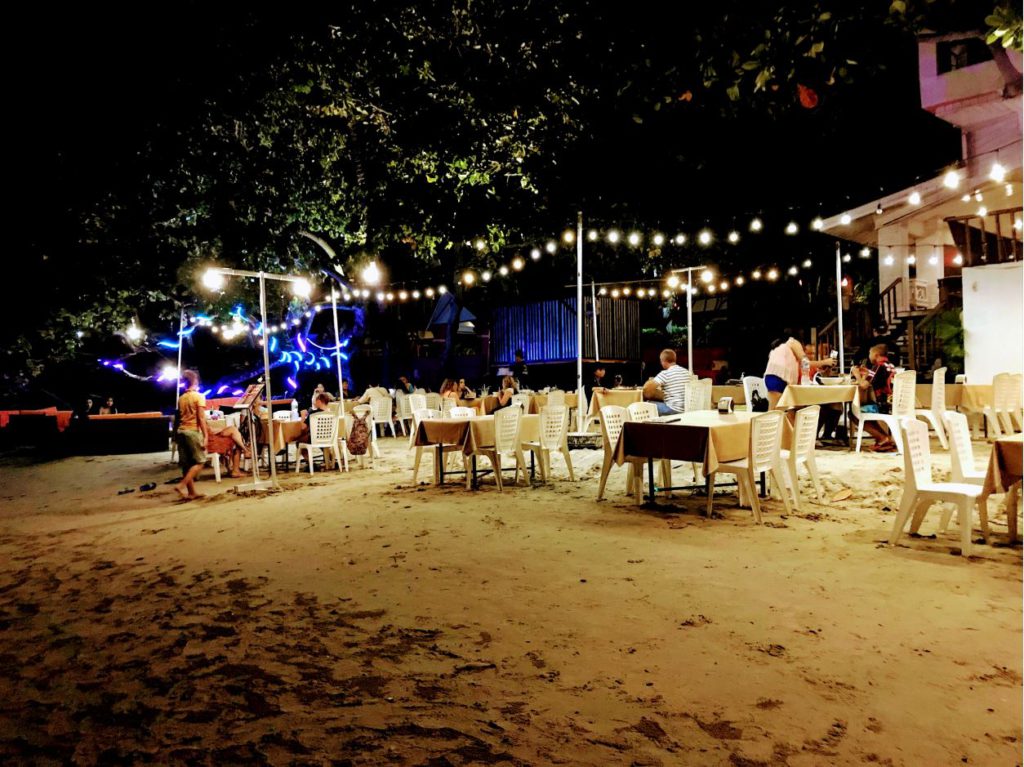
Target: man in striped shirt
(673,380)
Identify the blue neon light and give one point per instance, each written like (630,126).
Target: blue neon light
(168,344)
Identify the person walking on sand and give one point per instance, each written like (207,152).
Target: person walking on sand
(191,436)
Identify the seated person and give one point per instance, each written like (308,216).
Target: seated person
(617,382)
(508,388)
(874,381)
(373,391)
(228,442)
(317,392)
(673,381)
(598,383)
(464,391)
(450,390)
(822,366)
(405,385)
(345,385)
(107,408)
(321,403)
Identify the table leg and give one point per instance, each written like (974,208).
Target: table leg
(764,485)
(650,479)
(438,465)
(475,484)
(1011,512)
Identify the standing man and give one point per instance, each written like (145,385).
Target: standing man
(673,380)
(519,369)
(191,436)
(598,383)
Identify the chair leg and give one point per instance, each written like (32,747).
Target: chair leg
(755,503)
(966,526)
(812,469)
(215,460)
(945,516)
(983,517)
(791,473)
(780,475)
(568,463)
(496,464)
(860,431)
(940,432)
(521,467)
(710,480)
(907,504)
(920,509)
(311,460)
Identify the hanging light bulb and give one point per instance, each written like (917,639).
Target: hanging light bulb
(634,238)
(793,271)
(723,285)
(535,254)
(756,225)
(603,291)
(680,239)
(301,288)
(213,279)
(879,210)
(518,264)
(441,290)
(429,292)
(951,180)
(915,198)
(998,172)
(889,260)
(615,292)
(626,291)
(756,274)
(739,280)
(673,281)
(734,237)
(845,219)
(911,259)
(480,244)
(933,259)
(613,236)
(389,297)
(658,239)
(1017,223)
(568,236)
(865,252)
(704,237)
(983,211)
(366,293)
(348,296)
(845,282)
(380,298)
(134,332)
(847,258)
(1009,190)
(371,274)
(966,198)
(485,275)
(551,247)
(808,263)
(666,293)
(592,235)
(468,278)
(792,228)
(817,224)
(707,276)
(978,197)
(958,259)
(503,270)
(416,294)
(773,274)
(710,288)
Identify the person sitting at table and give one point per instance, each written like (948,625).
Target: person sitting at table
(228,442)
(783,368)
(405,385)
(450,390)
(464,391)
(191,434)
(508,389)
(320,390)
(321,404)
(673,380)
(373,391)
(874,381)
(107,408)
(597,384)
(617,382)
(823,365)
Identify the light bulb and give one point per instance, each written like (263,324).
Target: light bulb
(808,263)
(389,297)
(734,237)
(998,172)
(958,259)
(615,292)
(911,259)
(711,288)
(724,285)
(380,297)
(518,264)
(371,274)
(625,291)
(1017,223)
(485,275)
(666,293)
(865,252)
(933,260)
(951,180)
(169,372)
(503,270)
(441,289)
(592,235)
(978,197)
(983,211)
(915,198)
(817,224)
(214,330)
(347,297)
(673,281)
(740,280)
(301,288)
(879,210)
(756,274)
(845,219)
(603,292)
(792,228)
(680,239)
(415,294)
(756,225)
(658,239)
(79,333)
(366,293)
(613,236)
(551,246)
(429,292)
(213,279)
(889,260)
(568,236)
(706,276)
(134,332)
(634,238)
(535,254)
(965,198)
(468,278)
(793,271)
(704,238)
(480,244)
(773,274)
(844,282)
(847,258)
(402,295)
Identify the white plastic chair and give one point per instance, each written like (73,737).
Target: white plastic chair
(403,412)
(418,402)
(522,401)
(612,419)
(323,436)
(903,403)
(554,428)
(214,459)
(933,414)
(920,492)
(556,398)
(447,403)
(698,394)
(382,414)
(763,455)
(507,426)
(1017,401)
(962,468)
(641,411)
(805,434)
(282,415)
(374,450)
(752,384)
(461,412)
(425,414)
(999,414)
(433,400)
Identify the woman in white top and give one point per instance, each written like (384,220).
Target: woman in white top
(783,368)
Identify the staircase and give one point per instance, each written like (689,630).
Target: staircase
(990,239)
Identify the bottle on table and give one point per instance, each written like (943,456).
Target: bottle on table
(805,371)
(295,410)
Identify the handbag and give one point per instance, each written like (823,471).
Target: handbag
(758,404)
(359,436)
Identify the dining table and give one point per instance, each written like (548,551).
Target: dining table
(469,435)
(1004,475)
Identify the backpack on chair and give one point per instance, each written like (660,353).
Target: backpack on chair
(359,437)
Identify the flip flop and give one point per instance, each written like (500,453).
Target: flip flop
(126,490)
(148,486)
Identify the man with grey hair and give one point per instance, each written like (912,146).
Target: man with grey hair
(673,380)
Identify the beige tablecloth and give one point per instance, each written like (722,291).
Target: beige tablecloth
(736,392)
(471,434)
(703,436)
(802,396)
(975,397)
(285,432)
(620,397)
(537,401)
(1004,475)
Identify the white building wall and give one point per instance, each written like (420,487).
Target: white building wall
(993,321)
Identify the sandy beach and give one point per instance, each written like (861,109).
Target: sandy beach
(359,620)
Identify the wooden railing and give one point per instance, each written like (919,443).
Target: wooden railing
(980,244)
(923,346)
(888,302)
(827,338)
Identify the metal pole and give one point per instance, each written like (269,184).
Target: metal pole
(266,382)
(839,308)
(593,307)
(337,347)
(181,341)
(689,319)
(580,396)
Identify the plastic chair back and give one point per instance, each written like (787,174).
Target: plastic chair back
(506,429)
(698,394)
(447,403)
(1002,392)
(612,418)
(402,406)
(917,454)
(554,423)
(805,430)
(765,436)
(939,392)
(417,402)
(433,400)
(961,456)
(522,401)
(381,409)
(752,384)
(641,411)
(903,394)
(323,428)
(556,398)
(461,412)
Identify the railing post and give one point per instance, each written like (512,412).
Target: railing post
(912,345)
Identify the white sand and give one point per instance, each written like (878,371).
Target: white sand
(358,620)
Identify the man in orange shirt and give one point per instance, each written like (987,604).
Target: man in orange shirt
(191,436)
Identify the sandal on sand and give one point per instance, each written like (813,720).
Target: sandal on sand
(148,486)
(884,447)
(126,490)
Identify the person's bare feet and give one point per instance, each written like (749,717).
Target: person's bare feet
(194,496)
(182,491)
(236,475)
